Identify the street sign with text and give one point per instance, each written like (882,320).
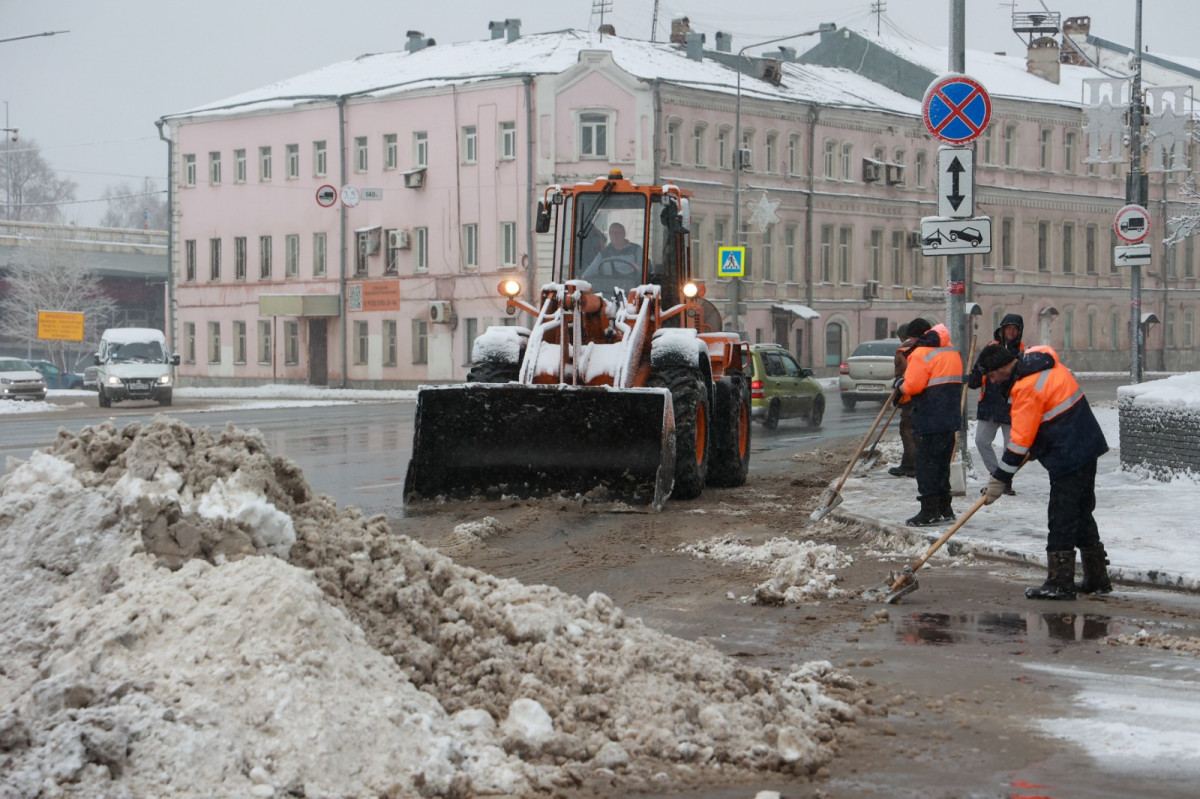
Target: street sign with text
(942,236)
(956,182)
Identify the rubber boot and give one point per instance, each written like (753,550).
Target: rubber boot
(1060,577)
(902,471)
(1095,572)
(928,514)
(944,509)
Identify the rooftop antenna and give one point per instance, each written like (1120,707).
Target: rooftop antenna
(877,8)
(654,22)
(602,7)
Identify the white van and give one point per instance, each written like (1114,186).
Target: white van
(132,364)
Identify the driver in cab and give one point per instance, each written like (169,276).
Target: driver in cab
(620,258)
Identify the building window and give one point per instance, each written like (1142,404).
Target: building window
(292,161)
(214,259)
(362,343)
(1069,330)
(189,261)
(921,164)
(420,341)
(319,255)
(1169,329)
(291,343)
(698,145)
(508,243)
(745,160)
(1114,331)
(360,154)
(897,257)
(239,166)
(789,247)
(420,149)
(1189,256)
(1010,145)
(265,349)
(291,245)
(508,140)
(844,246)
(767,246)
(239,342)
(723,147)
(264,257)
(1068,248)
(1092,235)
(1006,243)
(1112,242)
(362,250)
(830,152)
(470,142)
(793,154)
(320,159)
(876,247)
(264,164)
(1069,139)
(189,170)
(214,169)
(847,161)
(1188,318)
(593,135)
(393,252)
(189,342)
(470,246)
(673,143)
(391,154)
(989,145)
(239,258)
(1046,148)
(390,342)
(826,253)
(470,333)
(1043,246)
(421,247)
(1091,330)
(771,153)
(214,342)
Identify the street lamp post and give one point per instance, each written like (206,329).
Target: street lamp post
(10,136)
(736,285)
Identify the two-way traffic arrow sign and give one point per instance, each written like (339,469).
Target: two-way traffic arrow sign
(956,182)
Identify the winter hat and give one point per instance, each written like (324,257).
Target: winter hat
(917,327)
(995,356)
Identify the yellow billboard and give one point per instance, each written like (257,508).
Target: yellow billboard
(60,326)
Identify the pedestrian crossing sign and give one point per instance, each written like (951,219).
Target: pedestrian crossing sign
(731,261)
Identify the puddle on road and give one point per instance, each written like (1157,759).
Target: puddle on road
(943,629)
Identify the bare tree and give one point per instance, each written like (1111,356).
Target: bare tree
(144,209)
(1187,223)
(35,191)
(49,275)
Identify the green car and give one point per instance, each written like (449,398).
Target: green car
(780,388)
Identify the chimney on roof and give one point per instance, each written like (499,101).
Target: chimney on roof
(695,46)
(1075,33)
(512,27)
(1042,59)
(787,53)
(724,42)
(417,41)
(497,28)
(680,28)
(608,29)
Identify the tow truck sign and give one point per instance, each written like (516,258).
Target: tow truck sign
(944,236)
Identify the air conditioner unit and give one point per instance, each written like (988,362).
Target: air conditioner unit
(895,174)
(398,240)
(871,290)
(871,171)
(745,158)
(439,312)
(414,179)
(914,239)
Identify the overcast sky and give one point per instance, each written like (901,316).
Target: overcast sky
(90,97)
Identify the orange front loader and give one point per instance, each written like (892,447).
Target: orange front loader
(622,387)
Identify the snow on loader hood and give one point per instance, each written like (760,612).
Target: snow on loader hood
(184,616)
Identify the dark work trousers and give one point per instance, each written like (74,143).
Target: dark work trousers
(907,439)
(1072,500)
(933,464)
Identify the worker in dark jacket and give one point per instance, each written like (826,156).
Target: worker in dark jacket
(1053,424)
(992,412)
(933,382)
(908,442)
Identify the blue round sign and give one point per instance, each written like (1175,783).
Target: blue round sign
(956,109)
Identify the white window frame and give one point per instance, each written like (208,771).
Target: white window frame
(291,246)
(362,342)
(239,166)
(508,141)
(470,246)
(593,125)
(699,144)
(320,255)
(189,342)
(508,244)
(264,257)
(266,353)
(361,160)
(239,342)
(214,342)
(420,149)
(391,152)
(291,342)
(291,161)
(674,145)
(320,159)
(264,164)
(189,169)
(214,168)
(470,144)
(421,249)
(240,257)
(391,345)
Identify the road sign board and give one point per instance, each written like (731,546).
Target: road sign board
(1133,255)
(956,182)
(731,261)
(941,236)
(326,196)
(350,196)
(1132,224)
(956,109)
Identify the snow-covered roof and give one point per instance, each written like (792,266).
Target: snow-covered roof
(801,311)
(384,74)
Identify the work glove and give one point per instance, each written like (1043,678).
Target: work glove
(993,491)
(898,384)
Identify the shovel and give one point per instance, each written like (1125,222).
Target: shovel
(906,581)
(871,457)
(958,468)
(832,498)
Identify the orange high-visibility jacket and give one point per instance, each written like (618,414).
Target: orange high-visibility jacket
(1051,418)
(933,378)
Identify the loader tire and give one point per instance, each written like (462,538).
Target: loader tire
(729,458)
(689,395)
(493,373)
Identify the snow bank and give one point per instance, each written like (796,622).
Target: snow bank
(184,617)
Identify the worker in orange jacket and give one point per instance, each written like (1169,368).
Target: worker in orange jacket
(1053,424)
(933,381)
(908,440)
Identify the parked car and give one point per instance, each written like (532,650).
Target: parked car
(869,371)
(19,380)
(55,377)
(86,366)
(780,388)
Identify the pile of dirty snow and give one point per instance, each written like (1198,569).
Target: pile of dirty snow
(800,571)
(184,617)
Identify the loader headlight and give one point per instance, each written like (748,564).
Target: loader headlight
(510,288)
(693,290)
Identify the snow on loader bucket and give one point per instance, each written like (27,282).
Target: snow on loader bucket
(495,439)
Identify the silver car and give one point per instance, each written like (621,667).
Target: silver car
(869,372)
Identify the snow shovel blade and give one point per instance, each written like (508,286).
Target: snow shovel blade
(829,500)
(490,440)
(902,584)
(869,461)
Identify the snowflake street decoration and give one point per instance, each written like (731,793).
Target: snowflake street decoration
(1169,126)
(1105,102)
(764,213)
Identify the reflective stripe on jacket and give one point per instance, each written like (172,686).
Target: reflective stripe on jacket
(1051,418)
(933,379)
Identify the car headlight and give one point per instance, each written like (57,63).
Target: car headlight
(164,380)
(113,380)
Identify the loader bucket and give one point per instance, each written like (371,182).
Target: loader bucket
(491,440)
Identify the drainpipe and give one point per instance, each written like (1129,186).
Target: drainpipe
(344,301)
(170,298)
(656,139)
(530,190)
(814,113)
